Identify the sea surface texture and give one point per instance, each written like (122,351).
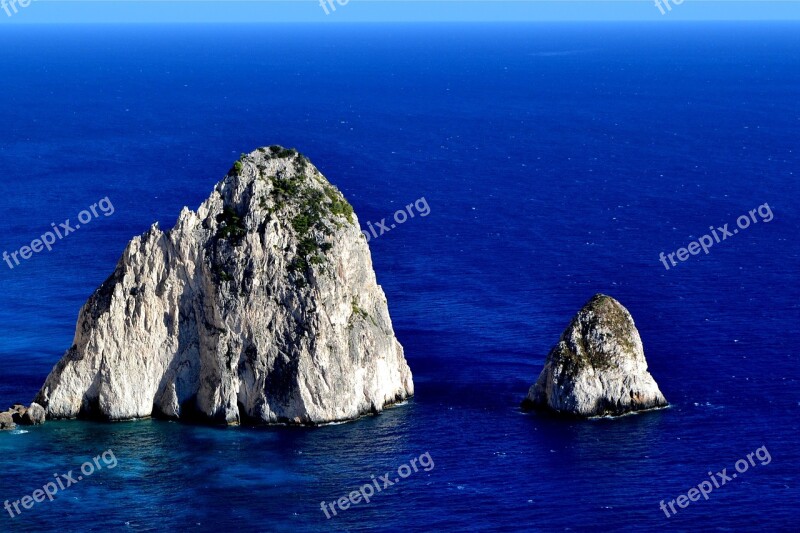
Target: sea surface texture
(556,162)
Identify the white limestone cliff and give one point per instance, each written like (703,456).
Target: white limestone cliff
(598,367)
(260,307)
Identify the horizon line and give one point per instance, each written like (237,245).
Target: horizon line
(24,12)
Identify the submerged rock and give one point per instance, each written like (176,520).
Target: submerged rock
(260,307)
(598,366)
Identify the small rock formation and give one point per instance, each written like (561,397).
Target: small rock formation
(261,307)
(598,366)
(7,421)
(24,416)
(33,415)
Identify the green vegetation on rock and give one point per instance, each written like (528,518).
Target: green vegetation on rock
(231,226)
(279,152)
(357,310)
(317,209)
(339,206)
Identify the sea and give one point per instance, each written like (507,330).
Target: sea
(557,160)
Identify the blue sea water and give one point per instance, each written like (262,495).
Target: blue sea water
(558,161)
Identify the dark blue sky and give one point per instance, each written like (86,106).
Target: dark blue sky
(50,11)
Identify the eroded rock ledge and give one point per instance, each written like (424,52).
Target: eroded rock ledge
(260,307)
(597,368)
(33,415)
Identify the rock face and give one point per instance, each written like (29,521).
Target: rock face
(598,366)
(24,416)
(260,307)
(33,415)
(7,421)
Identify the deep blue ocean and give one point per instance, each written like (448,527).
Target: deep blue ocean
(558,161)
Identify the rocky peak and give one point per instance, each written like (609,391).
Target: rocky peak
(262,306)
(598,366)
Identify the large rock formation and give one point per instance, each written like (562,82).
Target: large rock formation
(598,367)
(260,307)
